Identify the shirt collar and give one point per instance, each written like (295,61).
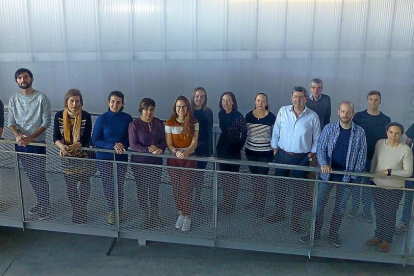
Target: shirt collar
(313,99)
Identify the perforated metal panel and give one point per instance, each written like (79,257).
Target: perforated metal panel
(9,189)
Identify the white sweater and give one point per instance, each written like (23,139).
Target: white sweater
(398,159)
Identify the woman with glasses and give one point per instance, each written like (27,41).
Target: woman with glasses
(233,135)
(181,134)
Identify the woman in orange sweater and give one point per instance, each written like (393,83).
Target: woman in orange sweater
(181,134)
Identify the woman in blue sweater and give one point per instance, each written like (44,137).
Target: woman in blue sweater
(111,132)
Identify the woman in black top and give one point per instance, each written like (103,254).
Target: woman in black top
(204,116)
(260,122)
(231,141)
(72,130)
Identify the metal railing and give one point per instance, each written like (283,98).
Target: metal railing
(146,198)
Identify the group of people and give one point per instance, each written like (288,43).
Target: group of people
(300,134)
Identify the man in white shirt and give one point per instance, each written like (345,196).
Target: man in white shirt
(294,140)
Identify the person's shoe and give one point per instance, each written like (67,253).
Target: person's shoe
(155,220)
(354,212)
(44,213)
(306,238)
(111,218)
(275,218)
(35,210)
(401,228)
(384,246)
(186,224)
(180,221)
(251,205)
(374,241)
(335,240)
(367,217)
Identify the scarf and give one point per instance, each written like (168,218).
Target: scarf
(76,126)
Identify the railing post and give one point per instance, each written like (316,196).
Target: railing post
(116,191)
(313,217)
(215,202)
(409,233)
(18,177)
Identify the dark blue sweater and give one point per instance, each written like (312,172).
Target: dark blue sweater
(111,128)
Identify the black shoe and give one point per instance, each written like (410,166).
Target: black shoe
(276,218)
(35,210)
(44,213)
(335,240)
(306,238)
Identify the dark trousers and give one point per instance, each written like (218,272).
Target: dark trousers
(281,185)
(147,180)
(202,151)
(260,187)
(35,167)
(230,183)
(386,203)
(107,175)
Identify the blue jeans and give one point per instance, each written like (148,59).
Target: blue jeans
(365,191)
(408,201)
(342,194)
(106,171)
(35,167)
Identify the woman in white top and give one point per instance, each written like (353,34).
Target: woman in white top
(394,158)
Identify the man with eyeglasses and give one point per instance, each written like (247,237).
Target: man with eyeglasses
(294,140)
(318,102)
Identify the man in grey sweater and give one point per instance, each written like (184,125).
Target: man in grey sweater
(319,103)
(29,116)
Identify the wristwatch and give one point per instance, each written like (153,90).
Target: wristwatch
(389,172)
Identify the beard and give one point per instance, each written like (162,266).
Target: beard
(25,85)
(345,120)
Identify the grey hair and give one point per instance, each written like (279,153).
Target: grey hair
(316,80)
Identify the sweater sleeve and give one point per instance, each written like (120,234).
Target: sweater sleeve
(407,169)
(1,114)
(98,135)
(46,115)
(134,139)
(210,131)
(57,136)
(374,161)
(85,139)
(161,143)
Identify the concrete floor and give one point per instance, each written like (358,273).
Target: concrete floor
(34,252)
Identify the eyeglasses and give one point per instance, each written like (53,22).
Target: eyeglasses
(181,107)
(298,97)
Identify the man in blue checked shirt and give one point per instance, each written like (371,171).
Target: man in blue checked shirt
(342,147)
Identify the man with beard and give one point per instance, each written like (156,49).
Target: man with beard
(342,147)
(29,117)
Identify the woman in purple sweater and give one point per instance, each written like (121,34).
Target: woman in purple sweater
(146,134)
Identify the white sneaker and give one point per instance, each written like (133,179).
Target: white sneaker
(186,224)
(401,228)
(179,222)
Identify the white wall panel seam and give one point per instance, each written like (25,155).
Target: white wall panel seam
(29,27)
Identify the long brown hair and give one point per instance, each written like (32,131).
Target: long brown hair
(193,96)
(189,120)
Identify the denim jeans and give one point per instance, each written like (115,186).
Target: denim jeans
(365,191)
(35,167)
(106,171)
(342,194)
